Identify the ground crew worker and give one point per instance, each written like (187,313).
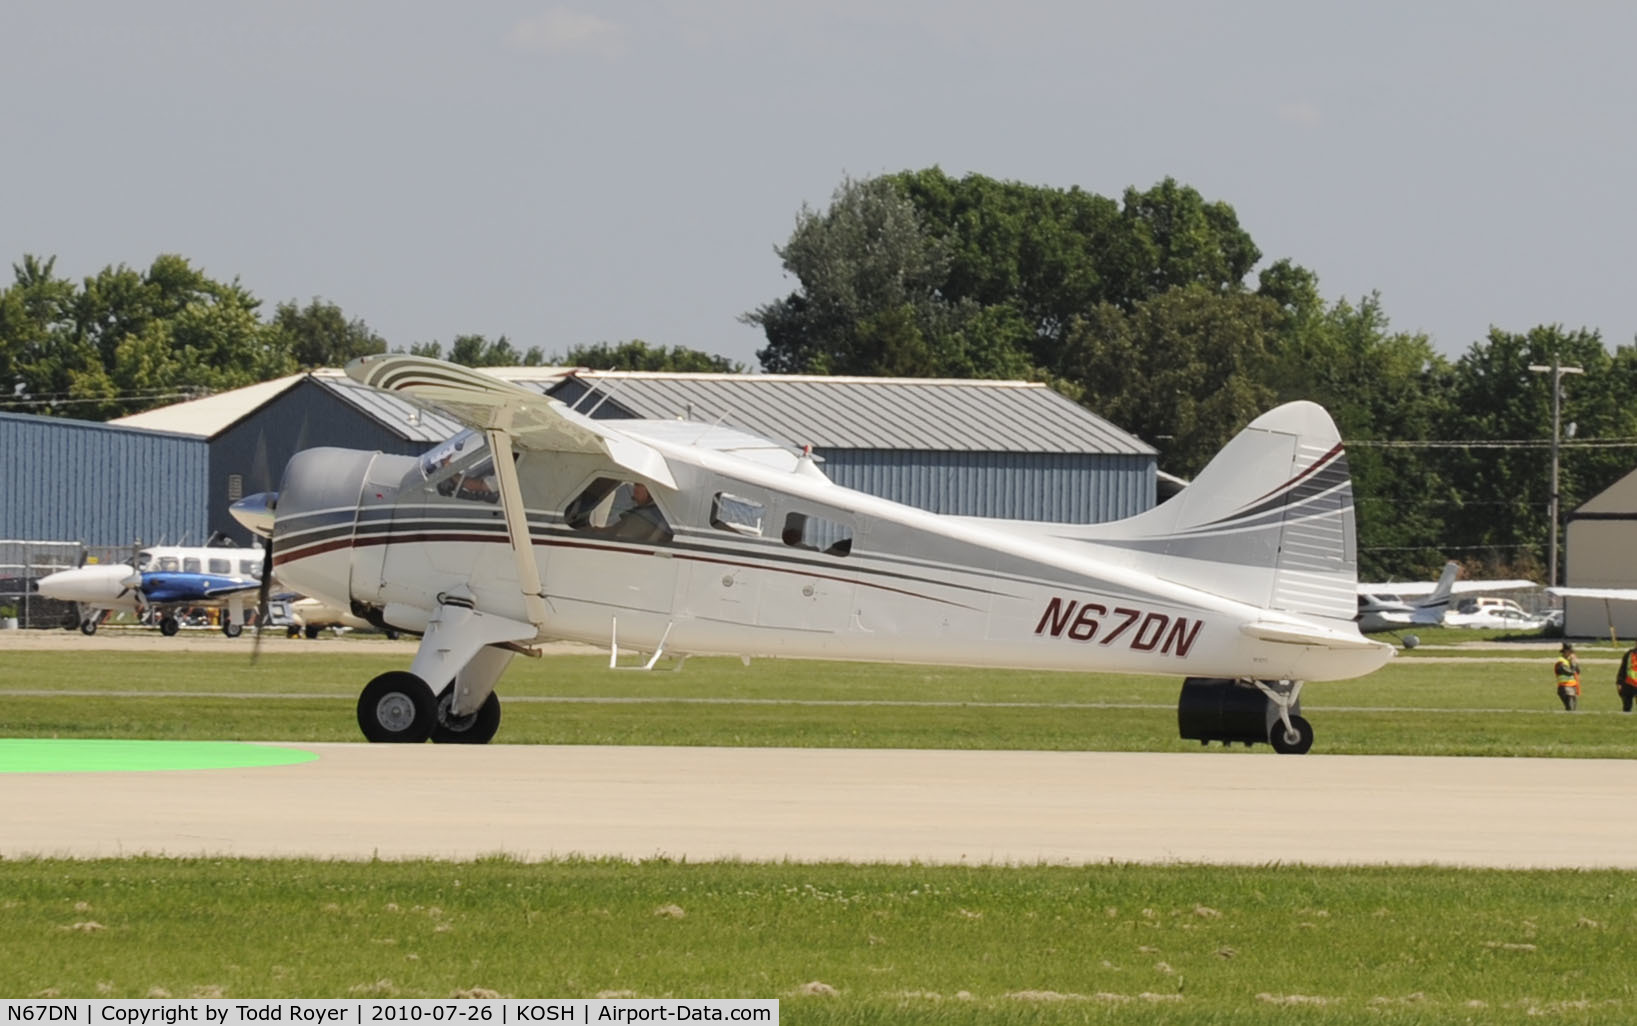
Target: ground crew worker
(1567,671)
(1625,678)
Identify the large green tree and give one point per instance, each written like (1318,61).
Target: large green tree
(637,355)
(479,351)
(125,340)
(320,335)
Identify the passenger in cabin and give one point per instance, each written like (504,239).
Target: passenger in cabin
(795,532)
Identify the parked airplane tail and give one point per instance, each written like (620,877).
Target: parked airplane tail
(1268,522)
(1431,609)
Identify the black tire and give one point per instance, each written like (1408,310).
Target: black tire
(88,626)
(168,626)
(311,631)
(476,729)
(1283,745)
(232,629)
(397,708)
(292,631)
(392,635)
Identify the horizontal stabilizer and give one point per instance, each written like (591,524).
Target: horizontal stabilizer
(1307,634)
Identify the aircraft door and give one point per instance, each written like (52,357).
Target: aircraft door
(810,586)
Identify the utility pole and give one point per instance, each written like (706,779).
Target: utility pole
(1557,371)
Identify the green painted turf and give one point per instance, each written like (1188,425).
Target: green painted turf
(59,755)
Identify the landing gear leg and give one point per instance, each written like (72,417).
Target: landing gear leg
(1291,735)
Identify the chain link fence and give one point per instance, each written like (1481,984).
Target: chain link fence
(23,563)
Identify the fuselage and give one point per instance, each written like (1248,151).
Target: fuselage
(160,574)
(759,555)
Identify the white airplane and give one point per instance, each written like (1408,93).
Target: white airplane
(162,580)
(685,538)
(1386,607)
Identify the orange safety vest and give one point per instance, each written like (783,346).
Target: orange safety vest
(1628,668)
(1568,675)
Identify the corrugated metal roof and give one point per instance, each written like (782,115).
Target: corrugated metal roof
(874,413)
(825,412)
(208,417)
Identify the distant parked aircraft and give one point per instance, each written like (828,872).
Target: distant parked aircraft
(164,580)
(1383,607)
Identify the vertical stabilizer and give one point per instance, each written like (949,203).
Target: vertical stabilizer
(1268,522)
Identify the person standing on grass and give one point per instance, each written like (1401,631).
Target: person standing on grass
(1567,672)
(1625,679)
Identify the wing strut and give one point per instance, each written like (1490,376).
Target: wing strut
(517,524)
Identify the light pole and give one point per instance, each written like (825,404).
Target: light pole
(1556,370)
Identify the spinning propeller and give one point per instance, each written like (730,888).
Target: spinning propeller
(257,512)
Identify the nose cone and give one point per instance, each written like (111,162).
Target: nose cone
(256,513)
(94,584)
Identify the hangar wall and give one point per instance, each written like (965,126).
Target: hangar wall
(255,449)
(1084,488)
(1600,551)
(77,480)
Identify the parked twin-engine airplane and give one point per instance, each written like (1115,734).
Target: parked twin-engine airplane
(683,538)
(163,580)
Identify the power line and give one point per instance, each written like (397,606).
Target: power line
(1499,443)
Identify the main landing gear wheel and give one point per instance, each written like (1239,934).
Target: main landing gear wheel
(474,729)
(1295,741)
(232,629)
(397,707)
(311,631)
(168,626)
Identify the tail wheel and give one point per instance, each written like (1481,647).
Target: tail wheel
(397,707)
(1292,742)
(474,729)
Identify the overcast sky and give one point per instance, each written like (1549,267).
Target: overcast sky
(568,173)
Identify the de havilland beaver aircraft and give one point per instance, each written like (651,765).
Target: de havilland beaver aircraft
(687,538)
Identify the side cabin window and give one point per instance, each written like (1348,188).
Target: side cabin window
(192,565)
(619,510)
(221,566)
(737,514)
(250,566)
(804,531)
(462,468)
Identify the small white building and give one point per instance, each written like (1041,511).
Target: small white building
(1600,551)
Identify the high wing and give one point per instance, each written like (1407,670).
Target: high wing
(532,421)
(1415,589)
(1609,594)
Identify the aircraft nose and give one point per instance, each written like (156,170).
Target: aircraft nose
(256,513)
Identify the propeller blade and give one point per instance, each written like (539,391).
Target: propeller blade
(264,595)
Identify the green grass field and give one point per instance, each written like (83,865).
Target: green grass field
(843,944)
(837,944)
(1432,701)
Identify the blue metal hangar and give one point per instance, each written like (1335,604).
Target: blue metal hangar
(1004,449)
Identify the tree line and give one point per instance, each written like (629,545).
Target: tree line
(1148,309)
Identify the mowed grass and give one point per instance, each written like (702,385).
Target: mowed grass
(1426,702)
(839,943)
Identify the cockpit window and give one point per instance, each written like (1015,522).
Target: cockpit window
(621,510)
(462,468)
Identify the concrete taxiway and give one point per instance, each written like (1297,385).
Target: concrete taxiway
(358,801)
